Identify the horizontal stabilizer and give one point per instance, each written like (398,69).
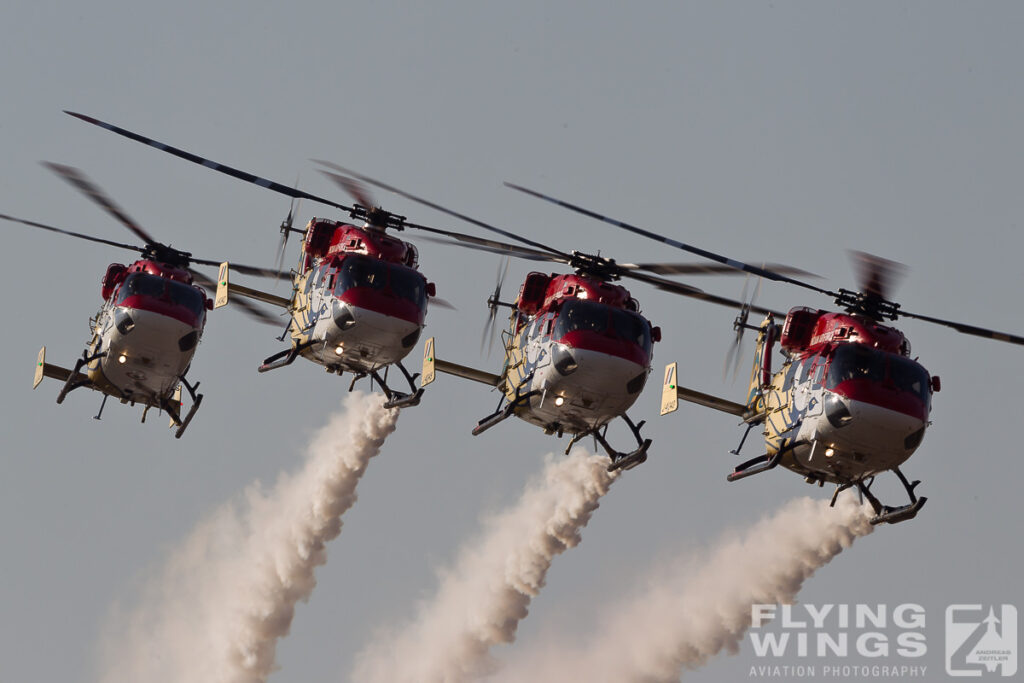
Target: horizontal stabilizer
(709,401)
(44,369)
(225,288)
(432,365)
(467,372)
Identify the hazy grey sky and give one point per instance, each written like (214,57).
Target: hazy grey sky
(783,132)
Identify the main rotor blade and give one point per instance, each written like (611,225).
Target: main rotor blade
(247,270)
(967,329)
(356,189)
(732,263)
(709,269)
(71,234)
(437,207)
(208,163)
(877,276)
(443,303)
(80,181)
(694,293)
(247,307)
(495,247)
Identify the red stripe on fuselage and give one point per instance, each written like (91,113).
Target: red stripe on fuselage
(162,307)
(383,302)
(603,343)
(884,396)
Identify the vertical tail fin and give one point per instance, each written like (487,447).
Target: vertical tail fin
(669,394)
(222,286)
(428,373)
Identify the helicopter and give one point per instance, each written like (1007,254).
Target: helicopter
(577,348)
(848,402)
(151,321)
(358,301)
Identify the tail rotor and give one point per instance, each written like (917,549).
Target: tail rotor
(740,325)
(493,302)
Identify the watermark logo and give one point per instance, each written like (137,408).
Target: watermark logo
(981,640)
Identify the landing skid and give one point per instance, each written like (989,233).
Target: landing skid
(283,358)
(508,410)
(397,399)
(620,461)
(75,380)
(172,410)
(761,463)
(887,514)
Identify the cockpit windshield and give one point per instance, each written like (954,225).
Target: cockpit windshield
(594,317)
(163,289)
(372,273)
(580,315)
(854,361)
(357,271)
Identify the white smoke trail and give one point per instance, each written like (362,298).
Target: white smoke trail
(684,618)
(481,601)
(224,597)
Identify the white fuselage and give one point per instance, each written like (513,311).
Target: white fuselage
(865,440)
(588,397)
(144,363)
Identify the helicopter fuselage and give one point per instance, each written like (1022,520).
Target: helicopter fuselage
(359,303)
(582,353)
(358,313)
(146,333)
(848,402)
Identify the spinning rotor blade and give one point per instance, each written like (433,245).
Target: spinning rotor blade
(492,305)
(247,307)
(69,233)
(246,270)
(495,247)
(708,269)
(228,170)
(80,181)
(732,357)
(286,229)
(877,276)
(450,212)
(732,263)
(695,293)
(968,329)
(356,189)
(83,183)
(443,303)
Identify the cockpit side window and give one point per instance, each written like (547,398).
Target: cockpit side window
(910,376)
(187,296)
(632,328)
(408,284)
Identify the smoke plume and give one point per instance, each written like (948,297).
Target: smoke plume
(224,597)
(689,614)
(481,601)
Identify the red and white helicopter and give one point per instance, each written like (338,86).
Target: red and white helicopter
(577,350)
(848,402)
(151,321)
(358,303)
